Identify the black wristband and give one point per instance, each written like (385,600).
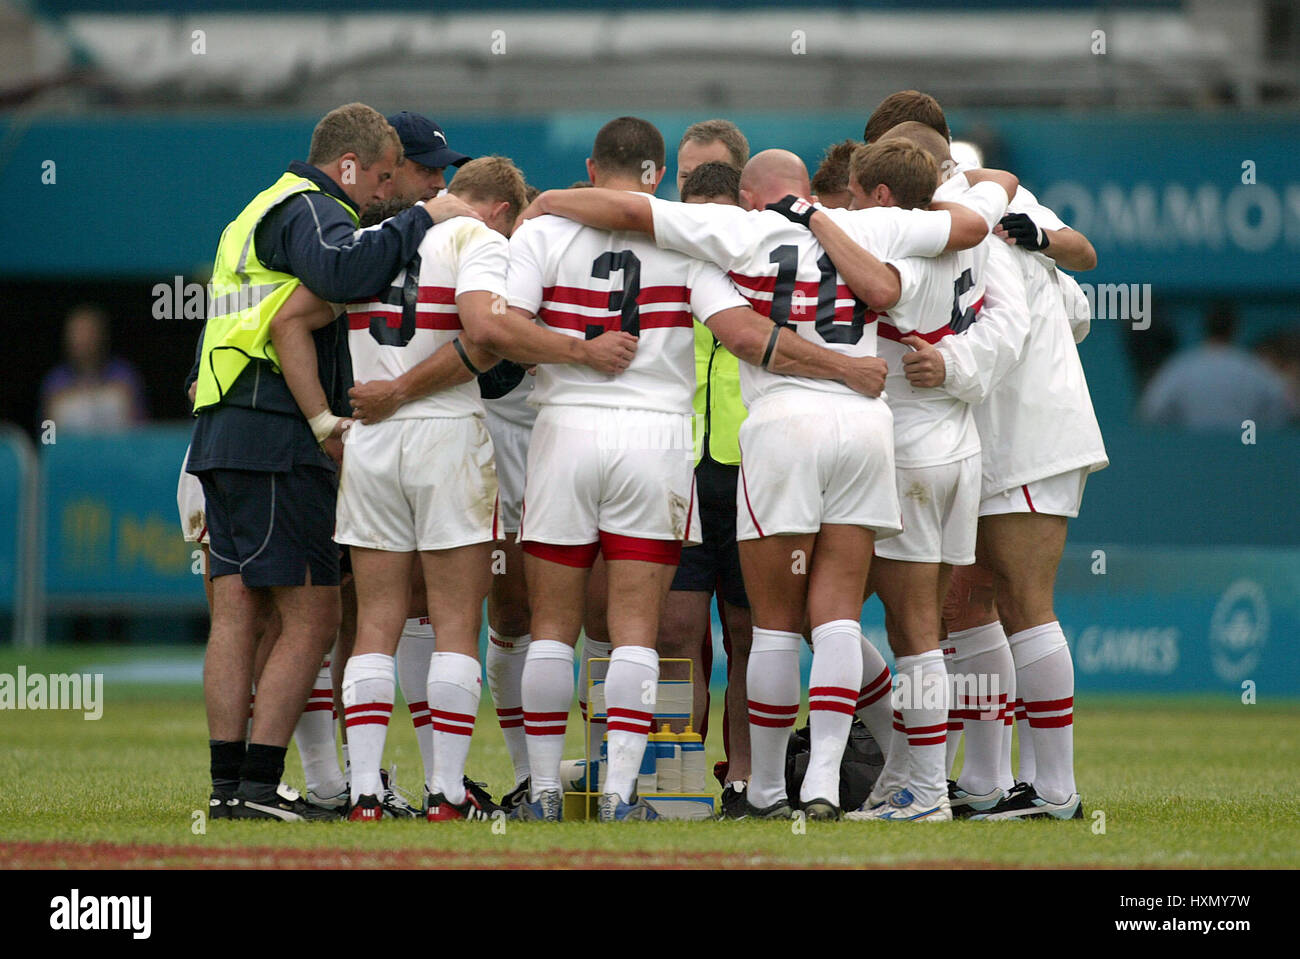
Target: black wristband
(465,359)
(771,346)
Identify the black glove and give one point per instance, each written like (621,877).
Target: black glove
(500,380)
(794,209)
(1024,231)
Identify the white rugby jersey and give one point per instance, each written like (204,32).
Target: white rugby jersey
(581,282)
(931,426)
(1036,418)
(416,316)
(785,274)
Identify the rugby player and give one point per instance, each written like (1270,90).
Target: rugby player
(424,480)
(936,451)
(1040,440)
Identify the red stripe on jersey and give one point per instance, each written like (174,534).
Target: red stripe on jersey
(663,294)
(566,321)
(437,321)
(437,294)
(576,296)
(891,332)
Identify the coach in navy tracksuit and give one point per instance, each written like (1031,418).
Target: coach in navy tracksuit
(269,486)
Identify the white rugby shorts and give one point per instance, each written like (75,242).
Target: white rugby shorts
(1059,495)
(813,458)
(417,484)
(940,513)
(623,471)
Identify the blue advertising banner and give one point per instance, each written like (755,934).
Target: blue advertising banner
(113,535)
(1193,201)
(1162,621)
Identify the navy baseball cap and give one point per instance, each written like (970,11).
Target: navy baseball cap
(424,142)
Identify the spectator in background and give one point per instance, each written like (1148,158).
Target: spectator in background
(91,391)
(1215,385)
(1281,351)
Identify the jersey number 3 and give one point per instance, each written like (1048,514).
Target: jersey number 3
(623,302)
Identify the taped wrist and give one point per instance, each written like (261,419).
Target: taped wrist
(322,425)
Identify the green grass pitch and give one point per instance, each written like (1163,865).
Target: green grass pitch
(1182,782)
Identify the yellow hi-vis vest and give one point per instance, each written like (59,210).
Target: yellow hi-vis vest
(244,295)
(719,410)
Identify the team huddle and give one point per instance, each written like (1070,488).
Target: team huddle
(488,394)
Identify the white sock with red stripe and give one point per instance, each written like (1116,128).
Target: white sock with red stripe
(921,696)
(314,737)
(772,683)
(986,676)
(1020,732)
(833,688)
(546,691)
(368,687)
(873,696)
(506,656)
(592,649)
(455,685)
(633,678)
(1045,680)
(414,650)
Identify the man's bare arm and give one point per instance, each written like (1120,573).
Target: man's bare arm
(291,330)
(747,335)
(597,207)
(970,225)
(874,283)
(1070,249)
(376,400)
(511,333)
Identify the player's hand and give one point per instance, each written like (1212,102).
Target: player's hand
(375,400)
(333,444)
(447,206)
(611,352)
(1019,230)
(924,367)
(866,375)
(795,209)
(193,392)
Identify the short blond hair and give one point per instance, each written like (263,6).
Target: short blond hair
(910,173)
(352,128)
(720,131)
(492,178)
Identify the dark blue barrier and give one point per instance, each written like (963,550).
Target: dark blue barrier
(113,537)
